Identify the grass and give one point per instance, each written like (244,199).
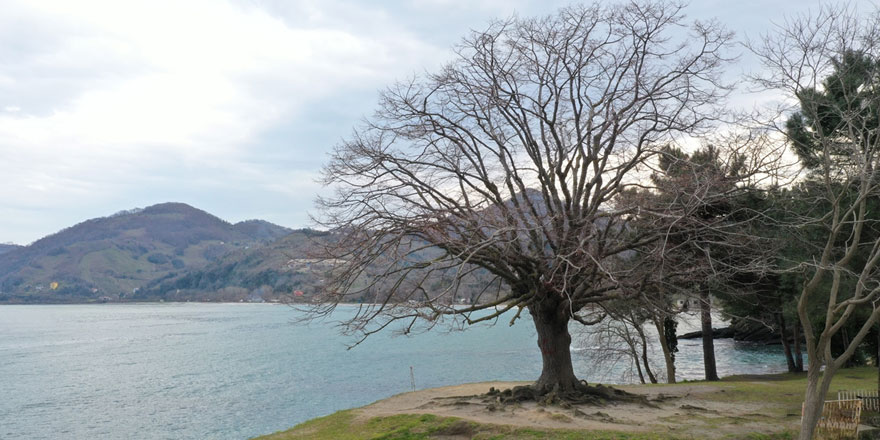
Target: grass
(780,394)
(787,390)
(344,425)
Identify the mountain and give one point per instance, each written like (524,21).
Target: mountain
(280,268)
(112,257)
(6,247)
(175,252)
(285,265)
(255,273)
(261,230)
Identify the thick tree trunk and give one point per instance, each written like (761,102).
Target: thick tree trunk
(786,345)
(708,341)
(814,399)
(557,373)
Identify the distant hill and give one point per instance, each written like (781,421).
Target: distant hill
(289,264)
(255,273)
(285,267)
(112,257)
(261,230)
(174,252)
(6,247)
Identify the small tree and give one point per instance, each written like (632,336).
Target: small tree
(508,162)
(620,335)
(825,63)
(704,202)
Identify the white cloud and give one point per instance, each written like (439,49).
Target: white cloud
(103,96)
(204,68)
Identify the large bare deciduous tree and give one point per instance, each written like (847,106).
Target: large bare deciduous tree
(505,166)
(827,64)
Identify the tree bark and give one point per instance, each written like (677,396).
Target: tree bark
(668,355)
(786,345)
(814,399)
(708,341)
(554,340)
(650,373)
(639,370)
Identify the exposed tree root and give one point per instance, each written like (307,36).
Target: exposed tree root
(582,394)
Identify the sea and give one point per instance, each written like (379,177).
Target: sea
(235,371)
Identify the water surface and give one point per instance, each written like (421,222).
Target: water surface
(233,371)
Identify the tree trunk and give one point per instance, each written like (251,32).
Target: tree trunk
(650,373)
(551,322)
(798,353)
(786,345)
(668,355)
(878,360)
(639,370)
(708,341)
(814,399)
(633,349)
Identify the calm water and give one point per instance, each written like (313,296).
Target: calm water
(232,371)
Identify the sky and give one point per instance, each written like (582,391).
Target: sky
(231,106)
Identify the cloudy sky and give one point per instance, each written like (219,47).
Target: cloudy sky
(228,105)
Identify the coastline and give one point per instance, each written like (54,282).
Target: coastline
(753,406)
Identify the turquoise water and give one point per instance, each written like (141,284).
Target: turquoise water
(233,371)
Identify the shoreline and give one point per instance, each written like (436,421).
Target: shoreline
(763,406)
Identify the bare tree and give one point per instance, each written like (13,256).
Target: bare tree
(620,337)
(507,163)
(827,64)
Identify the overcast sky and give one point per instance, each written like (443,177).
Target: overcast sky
(229,106)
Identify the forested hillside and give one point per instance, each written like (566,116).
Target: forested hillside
(6,247)
(256,273)
(110,258)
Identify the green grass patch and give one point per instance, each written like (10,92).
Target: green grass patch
(787,389)
(343,425)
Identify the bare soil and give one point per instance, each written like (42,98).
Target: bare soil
(680,409)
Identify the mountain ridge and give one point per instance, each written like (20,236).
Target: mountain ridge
(112,257)
(7,247)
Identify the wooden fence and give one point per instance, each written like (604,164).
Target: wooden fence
(840,420)
(870,399)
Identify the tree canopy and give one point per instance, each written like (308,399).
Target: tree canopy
(826,63)
(509,162)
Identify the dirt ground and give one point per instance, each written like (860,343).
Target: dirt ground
(677,409)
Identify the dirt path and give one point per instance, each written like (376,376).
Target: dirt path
(683,409)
